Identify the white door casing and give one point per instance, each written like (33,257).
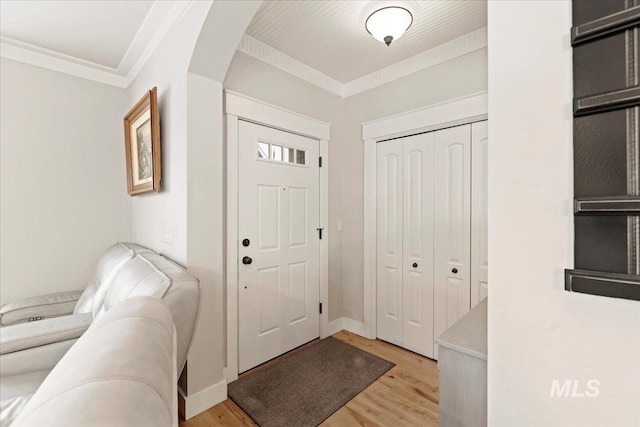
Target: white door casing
(479,212)
(241,107)
(279,215)
(452,243)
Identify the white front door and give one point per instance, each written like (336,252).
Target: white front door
(278,248)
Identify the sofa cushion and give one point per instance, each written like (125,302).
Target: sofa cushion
(155,275)
(183,300)
(122,371)
(48,331)
(15,393)
(11,408)
(105,270)
(41,306)
(138,277)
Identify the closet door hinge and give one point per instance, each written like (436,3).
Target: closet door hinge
(320,232)
(320,161)
(320,308)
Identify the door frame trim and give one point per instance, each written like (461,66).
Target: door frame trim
(242,107)
(456,112)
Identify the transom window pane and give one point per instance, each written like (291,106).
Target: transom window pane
(301,157)
(289,155)
(280,153)
(276,152)
(263,150)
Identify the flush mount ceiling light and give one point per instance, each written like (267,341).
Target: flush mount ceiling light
(388,20)
(389,23)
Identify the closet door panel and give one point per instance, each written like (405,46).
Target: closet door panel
(479,212)
(418,186)
(452,226)
(389,241)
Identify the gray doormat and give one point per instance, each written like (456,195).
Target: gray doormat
(306,387)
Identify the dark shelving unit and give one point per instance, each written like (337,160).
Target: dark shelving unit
(606,145)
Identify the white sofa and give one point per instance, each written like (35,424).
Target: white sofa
(29,350)
(73,302)
(128,380)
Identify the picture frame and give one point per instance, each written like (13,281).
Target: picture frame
(142,145)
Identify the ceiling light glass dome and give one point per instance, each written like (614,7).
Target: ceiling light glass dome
(389,23)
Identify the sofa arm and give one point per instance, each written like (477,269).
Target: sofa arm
(128,380)
(38,308)
(49,331)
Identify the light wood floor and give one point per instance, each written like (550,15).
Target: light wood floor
(407,395)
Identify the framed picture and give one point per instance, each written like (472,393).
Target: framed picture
(142,145)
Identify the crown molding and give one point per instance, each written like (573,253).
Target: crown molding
(444,52)
(462,45)
(159,20)
(163,15)
(54,61)
(286,63)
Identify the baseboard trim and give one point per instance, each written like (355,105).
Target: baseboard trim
(190,406)
(227,373)
(333,327)
(347,324)
(353,326)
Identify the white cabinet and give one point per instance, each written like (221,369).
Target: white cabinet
(425,264)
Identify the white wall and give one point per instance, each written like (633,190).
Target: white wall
(538,332)
(190,205)
(205,213)
(63,194)
(159,220)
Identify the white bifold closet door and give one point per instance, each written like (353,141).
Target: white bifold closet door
(423,236)
(479,212)
(405,189)
(452,225)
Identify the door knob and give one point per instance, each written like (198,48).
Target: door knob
(415,265)
(454,270)
(247,260)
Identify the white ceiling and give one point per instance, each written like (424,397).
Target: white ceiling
(323,42)
(98,32)
(106,41)
(329,36)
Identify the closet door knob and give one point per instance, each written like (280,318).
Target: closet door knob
(454,270)
(415,265)
(247,260)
